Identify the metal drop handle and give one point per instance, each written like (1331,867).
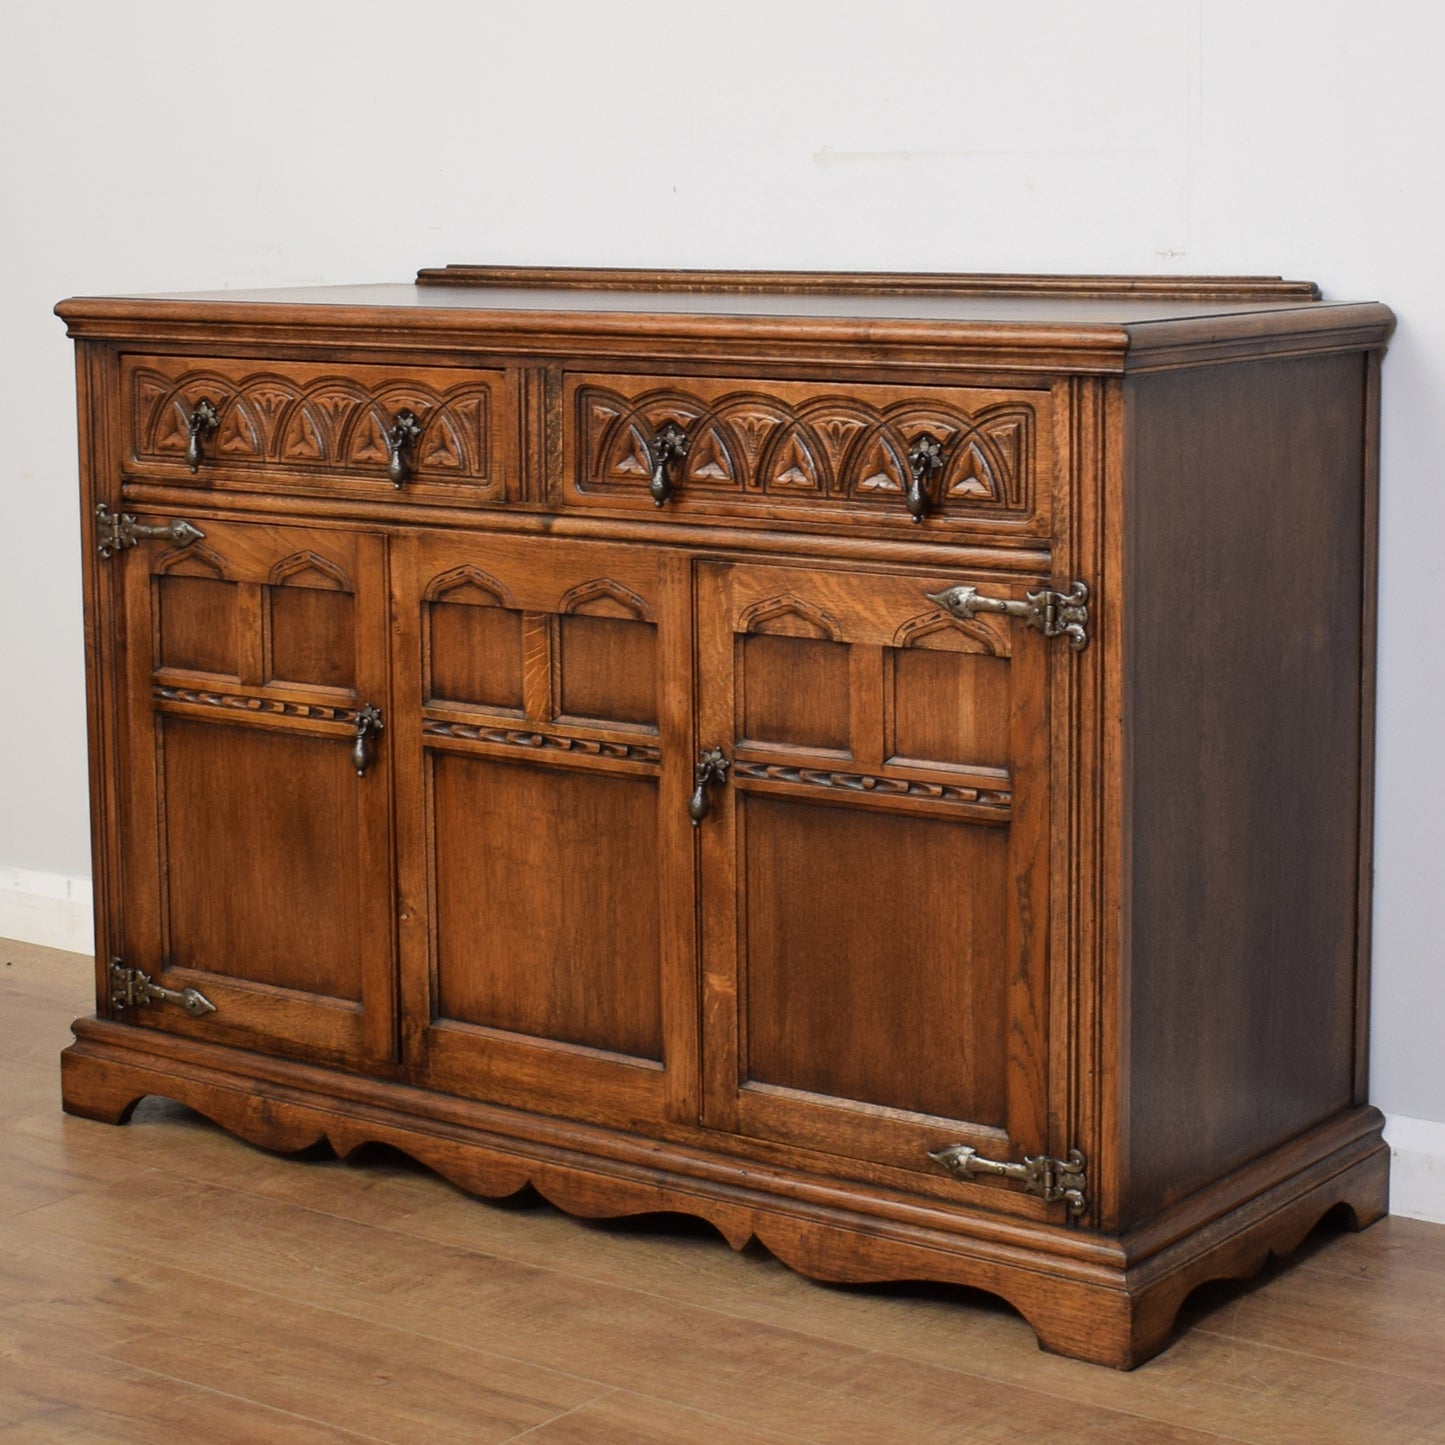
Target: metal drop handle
(200,424)
(925,461)
(401,438)
(669,445)
(363,749)
(712,768)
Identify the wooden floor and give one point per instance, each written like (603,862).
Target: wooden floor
(163,1282)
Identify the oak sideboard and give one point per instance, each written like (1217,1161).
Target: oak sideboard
(881,763)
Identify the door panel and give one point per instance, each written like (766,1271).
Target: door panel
(875,869)
(845,997)
(227,878)
(257,862)
(547,873)
(539,931)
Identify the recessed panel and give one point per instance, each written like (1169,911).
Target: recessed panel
(608,668)
(876,957)
(795,690)
(547,902)
(313,636)
(951,707)
(476,654)
(197,624)
(260,830)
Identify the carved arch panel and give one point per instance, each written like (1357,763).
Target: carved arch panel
(309,622)
(937,631)
(789,616)
(472,640)
(310,569)
(469,585)
(602,597)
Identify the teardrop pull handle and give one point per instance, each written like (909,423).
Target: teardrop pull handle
(925,461)
(669,445)
(401,439)
(712,769)
(363,750)
(200,424)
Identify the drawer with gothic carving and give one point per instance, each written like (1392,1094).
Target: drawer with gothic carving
(439,434)
(721,448)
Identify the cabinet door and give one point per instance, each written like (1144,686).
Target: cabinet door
(874,868)
(547,909)
(256,861)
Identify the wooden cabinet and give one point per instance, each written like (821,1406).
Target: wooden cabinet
(879,763)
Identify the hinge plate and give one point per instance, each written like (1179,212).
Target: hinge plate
(1055,1181)
(133,988)
(1055,614)
(115,531)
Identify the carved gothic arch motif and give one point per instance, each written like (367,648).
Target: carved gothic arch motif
(623,448)
(602,597)
(789,616)
(794,461)
(307,569)
(936,630)
(170,401)
(192,560)
(314,425)
(469,586)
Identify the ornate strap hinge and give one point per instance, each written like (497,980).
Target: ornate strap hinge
(115,531)
(132,988)
(1055,614)
(1055,1181)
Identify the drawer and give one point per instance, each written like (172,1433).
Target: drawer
(800,450)
(321,427)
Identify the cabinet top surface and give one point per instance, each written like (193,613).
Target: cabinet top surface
(1102,316)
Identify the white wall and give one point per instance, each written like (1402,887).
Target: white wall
(164,144)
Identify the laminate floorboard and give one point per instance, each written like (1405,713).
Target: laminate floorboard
(163,1281)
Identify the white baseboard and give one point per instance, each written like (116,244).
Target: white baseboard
(46,908)
(51,909)
(1417,1167)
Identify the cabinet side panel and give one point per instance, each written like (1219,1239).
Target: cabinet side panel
(95,381)
(1247,507)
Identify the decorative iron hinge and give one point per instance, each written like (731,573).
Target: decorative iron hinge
(1053,1180)
(132,988)
(1055,614)
(115,531)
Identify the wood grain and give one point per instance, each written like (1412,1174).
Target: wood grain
(1244,928)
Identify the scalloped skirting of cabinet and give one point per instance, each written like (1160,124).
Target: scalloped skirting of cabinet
(880,763)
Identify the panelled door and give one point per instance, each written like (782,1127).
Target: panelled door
(874,865)
(256,857)
(546,863)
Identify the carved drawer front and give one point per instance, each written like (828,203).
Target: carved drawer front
(440,434)
(890,456)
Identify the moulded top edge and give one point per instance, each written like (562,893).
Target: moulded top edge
(1104,329)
